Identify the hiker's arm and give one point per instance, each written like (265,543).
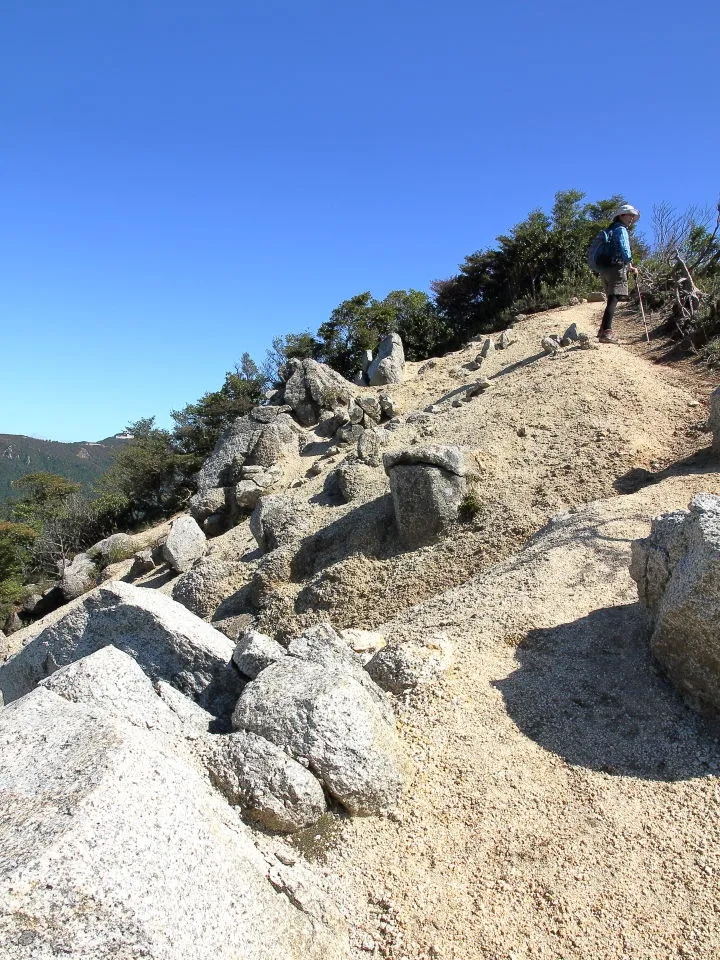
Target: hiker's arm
(624,243)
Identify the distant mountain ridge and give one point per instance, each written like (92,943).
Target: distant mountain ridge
(83,462)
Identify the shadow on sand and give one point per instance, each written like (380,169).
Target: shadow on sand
(704,461)
(591,692)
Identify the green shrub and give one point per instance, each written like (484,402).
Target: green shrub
(470,505)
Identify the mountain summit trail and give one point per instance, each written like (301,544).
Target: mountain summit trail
(562,798)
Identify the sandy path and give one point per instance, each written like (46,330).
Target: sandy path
(565,799)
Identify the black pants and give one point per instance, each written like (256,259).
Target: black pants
(607,317)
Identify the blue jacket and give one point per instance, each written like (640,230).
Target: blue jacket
(620,239)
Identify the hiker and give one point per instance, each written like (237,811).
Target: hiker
(615,276)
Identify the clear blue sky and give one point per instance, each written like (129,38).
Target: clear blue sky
(180,181)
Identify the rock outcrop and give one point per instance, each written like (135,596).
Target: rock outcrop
(312,387)
(427,485)
(167,641)
(271,787)
(185,544)
(714,420)
(119,846)
(254,652)
(276,521)
(389,363)
(77,577)
(677,570)
(401,668)
(119,546)
(261,438)
(319,706)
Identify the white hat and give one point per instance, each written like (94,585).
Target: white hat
(626,208)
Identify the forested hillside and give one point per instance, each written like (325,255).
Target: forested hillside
(81,462)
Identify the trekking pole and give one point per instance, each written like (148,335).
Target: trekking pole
(642,308)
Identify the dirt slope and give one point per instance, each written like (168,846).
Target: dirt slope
(565,799)
(549,434)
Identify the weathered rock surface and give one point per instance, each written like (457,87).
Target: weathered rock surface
(350,433)
(363,642)
(448,458)
(323,645)
(677,570)
(271,787)
(261,438)
(167,641)
(116,571)
(112,681)
(254,481)
(255,651)
(488,349)
(143,562)
(389,362)
(119,546)
(355,481)
(369,447)
(203,588)
(277,520)
(388,406)
(12,624)
(400,668)
(427,485)
(4,646)
(78,577)
(313,387)
(30,604)
(714,420)
(218,575)
(426,501)
(326,712)
(185,544)
(116,846)
(206,502)
(370,406)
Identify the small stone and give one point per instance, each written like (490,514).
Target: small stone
(256,651)
(488,348)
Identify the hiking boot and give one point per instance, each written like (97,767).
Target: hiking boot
(607,336)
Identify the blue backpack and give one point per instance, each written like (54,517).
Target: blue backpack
(601,254)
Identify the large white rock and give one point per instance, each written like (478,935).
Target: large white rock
(168,642)
(115,846)
(185,544)
(118,546)
(113,682)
